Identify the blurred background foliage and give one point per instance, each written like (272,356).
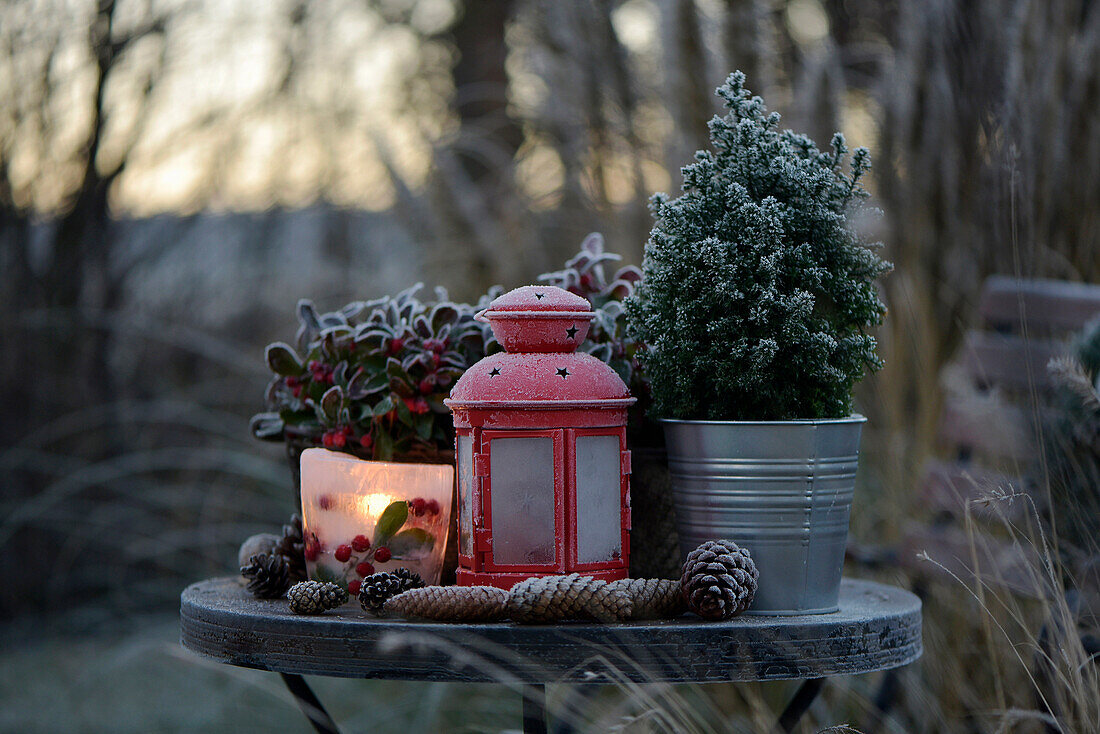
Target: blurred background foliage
(175,174)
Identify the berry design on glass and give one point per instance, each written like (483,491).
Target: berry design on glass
(312,547)
(401,535)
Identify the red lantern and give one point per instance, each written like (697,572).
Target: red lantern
(543,468)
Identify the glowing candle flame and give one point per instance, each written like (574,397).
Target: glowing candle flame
(372,505)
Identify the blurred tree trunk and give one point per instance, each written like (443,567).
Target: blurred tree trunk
(481,86)
(750,44)
(77,277)
(688,89)
(488,138)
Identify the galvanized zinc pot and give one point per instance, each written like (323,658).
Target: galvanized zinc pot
(782,489)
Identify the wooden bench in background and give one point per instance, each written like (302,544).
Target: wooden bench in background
(996,391)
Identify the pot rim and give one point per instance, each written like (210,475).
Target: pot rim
(853,418)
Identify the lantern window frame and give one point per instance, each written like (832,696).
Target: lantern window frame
(566,551)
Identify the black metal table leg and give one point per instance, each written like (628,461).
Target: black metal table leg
(309,704)
(534,708)
(800,704)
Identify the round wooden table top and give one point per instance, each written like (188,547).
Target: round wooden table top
(877,627)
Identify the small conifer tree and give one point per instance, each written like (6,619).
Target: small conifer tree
(756,296)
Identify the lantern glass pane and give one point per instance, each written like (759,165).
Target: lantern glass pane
(465,460)
(599,499)
(521,474)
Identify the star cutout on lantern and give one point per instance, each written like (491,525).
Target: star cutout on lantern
(563,372)
(572,331)
(539,296)
(495,372)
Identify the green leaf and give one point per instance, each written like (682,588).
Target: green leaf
(383,406)
(283,360)
(376,383)
(383,446)
(403,413)
(409,541)
(331,401)
(267,426)
(390,521)
(424,423)
(394,368)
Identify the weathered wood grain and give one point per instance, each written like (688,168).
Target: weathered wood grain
(877,627)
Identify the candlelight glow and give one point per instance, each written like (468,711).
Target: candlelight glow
(371,505)
(361,517)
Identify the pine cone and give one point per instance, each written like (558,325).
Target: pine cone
(378,587)
(292,547)
(652,598)
(267,575)
(719,580)
(314,597)
(262,544)
(450,603)
(554,598)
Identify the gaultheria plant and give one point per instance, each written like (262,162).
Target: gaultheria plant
(757,296)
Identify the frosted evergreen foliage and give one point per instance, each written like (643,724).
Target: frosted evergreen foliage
(756,295)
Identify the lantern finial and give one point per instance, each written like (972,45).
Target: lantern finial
(539,318)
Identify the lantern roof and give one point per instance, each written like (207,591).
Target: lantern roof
(540,327)
(552,380)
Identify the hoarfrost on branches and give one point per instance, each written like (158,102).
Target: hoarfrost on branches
(756,295)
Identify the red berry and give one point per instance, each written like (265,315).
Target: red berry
(326,440)
(339,440)
(343,553)
(396,345)
(312,548)
(364,569)
(315,366)
(293,382)
(360,543)
(366,441)
(417,405)
(325,502)
(433,507)
(298,391)
(354,586)
(418,506)
(382,554)
(427,385)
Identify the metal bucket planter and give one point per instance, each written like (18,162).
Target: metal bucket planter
(782,489)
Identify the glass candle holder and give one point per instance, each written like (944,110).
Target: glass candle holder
(362,517)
